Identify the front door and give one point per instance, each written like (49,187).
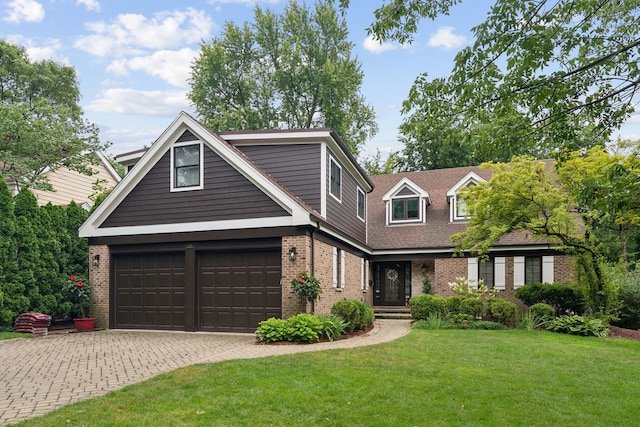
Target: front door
(391,278)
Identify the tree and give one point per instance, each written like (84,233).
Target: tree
(374,165)
(41,123)
(540,77)
(293,70)
(524,196)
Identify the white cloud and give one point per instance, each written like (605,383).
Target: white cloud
(247,2)
(634,118)
(92,5)
(48,50)
(146,103)
(174,67)
(445,37)
(133,33)
(374,46)
(24,11)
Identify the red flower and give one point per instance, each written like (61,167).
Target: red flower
(73,278)
(80,284)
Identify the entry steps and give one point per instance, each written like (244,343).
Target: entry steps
(392,312)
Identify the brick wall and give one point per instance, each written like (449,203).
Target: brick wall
(291,303)
(446,270)
(421,269)
(99,280)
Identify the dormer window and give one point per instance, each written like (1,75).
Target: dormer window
(458,207)
(406,203)
(186,167)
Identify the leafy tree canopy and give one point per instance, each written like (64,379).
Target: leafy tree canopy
(541,77)
(41,123)
(293,70)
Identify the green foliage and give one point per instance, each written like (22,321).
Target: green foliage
(532,320)
(306,287)
(78,293)
(629,292)
(357,314)
(292,70)
(579,325)
(302,327)
(42,124)
(333,326)
(564,299)
(463,287)
(423,306)
(500,310)
(542,311)
(454,303)
(472,307)
(437,322)
(272,330)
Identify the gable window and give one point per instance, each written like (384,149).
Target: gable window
(458,207)
(335,179)
(362,201)
(532,269)
(187,167)
(406,203)
(406,209)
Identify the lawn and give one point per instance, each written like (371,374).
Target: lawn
(439,378)
(11,335)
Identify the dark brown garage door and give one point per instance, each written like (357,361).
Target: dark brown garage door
(149,291)
(237,290)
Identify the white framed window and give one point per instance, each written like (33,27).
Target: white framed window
(460,206)
(457,206)
(335,179)
(530,269)
(406,203)
(187,166)
(338,268)
(362,203)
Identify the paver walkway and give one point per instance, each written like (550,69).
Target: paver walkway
(38,375)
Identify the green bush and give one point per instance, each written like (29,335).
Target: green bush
(303,328)
(531,320)
(423,306)
(565,299)
(453,304)
(629,292)
(272,330)
(333,326)
(501,310)
(542,311)
(579,325)
(472,306)
(357,314)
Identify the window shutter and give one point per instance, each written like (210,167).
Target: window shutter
(547,269)
(518,271)
(362,274)
(366,275)
(500,277)
(472,272)
(335,267)
(342,272)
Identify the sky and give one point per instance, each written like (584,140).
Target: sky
(133,58)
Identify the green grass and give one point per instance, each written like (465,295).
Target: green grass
(11,335)
(427,378)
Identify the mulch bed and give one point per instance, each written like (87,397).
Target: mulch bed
(630,334)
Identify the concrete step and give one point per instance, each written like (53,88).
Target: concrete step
(398,312)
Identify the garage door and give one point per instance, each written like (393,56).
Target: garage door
(149,291)
(237,290)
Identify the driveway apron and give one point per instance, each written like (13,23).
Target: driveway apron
(38,375)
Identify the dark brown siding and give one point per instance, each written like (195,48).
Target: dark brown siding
(344,216)
(296,166)
(226,195)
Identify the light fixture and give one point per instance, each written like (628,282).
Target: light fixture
(95,260)
(292,253)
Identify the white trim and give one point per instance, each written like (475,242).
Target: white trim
(343,273)
(362,280)
(470,177)
(547,269)
(332,159)
(406,182)
(108,167)
(472,272)
(500,278)
(334,272)
(418,193)
(324,179)
(366,273)
(172,178)
(364,198)
(518,271)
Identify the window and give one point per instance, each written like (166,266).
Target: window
(362,201)
(335,179)
(458,207)
(486,273)
(406,209)
(532,269)
(187,167)
(461,205)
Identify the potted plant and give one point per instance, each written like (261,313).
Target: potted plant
(307,287)
(79,294)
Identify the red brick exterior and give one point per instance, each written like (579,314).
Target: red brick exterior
(99,280)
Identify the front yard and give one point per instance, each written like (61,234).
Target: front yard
(441,377)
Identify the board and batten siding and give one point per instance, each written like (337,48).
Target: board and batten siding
(226,195)
(344,215)
(295,166)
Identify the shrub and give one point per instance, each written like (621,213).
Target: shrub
(472,306)
(542,311)
(272,330)
(579,325)
(333,326)
(501,310)
(357,314)
(453,304)
(303,328)
(423,306)
(565,299)
(307,287)
(629,293)
(531,320)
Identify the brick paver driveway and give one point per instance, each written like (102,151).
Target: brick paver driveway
(38,375)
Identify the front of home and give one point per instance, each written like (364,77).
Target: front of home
(208,229)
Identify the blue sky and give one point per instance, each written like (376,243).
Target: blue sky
(133,57)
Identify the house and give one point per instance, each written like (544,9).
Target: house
(71,185)
(207,231)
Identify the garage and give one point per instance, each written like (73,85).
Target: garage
(231,290)
(237,290)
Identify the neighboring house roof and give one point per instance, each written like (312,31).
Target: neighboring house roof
(71,185)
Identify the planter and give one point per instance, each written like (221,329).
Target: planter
(84,324)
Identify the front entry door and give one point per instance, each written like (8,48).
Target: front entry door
(392,280)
